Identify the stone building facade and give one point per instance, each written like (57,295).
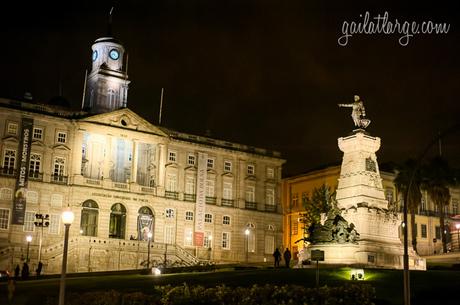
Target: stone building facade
(124,177)
(427,219)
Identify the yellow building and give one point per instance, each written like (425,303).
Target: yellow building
(428,230)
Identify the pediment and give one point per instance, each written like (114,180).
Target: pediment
(126,119)
(10,139)
(60,146)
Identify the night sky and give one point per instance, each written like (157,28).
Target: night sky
(264,73)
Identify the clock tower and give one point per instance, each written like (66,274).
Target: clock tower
(107,83)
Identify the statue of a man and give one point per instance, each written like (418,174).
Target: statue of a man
(358,112)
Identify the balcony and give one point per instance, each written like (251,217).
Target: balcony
(171,195)
(227,202)
(270,207)
(150,190)
(36,176)
(211,200)
(8,171)
(190,197)
(250,205)
(59,179)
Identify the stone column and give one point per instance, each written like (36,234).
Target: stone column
(77,152)
(108,156)
(161,165)
(134,162)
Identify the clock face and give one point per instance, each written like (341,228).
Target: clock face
(94,55)
(114,54)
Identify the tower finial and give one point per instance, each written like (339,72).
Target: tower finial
(109,26)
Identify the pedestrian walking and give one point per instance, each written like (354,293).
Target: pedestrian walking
(287,257)
(25,271)
(277,256)
(39,269)
(16,272)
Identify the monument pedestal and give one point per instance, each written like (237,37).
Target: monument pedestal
(361,201)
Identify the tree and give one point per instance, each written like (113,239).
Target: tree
(406,173)
(437,177)
(319,202)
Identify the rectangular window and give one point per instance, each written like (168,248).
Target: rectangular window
(269,244)
(169,235)
(208,218)
(4,219)
(209,188)
(12,128)
(29,219)
(423,228)
(227,166)
(191,159)
(252,242)
(210,163)
(55,221)
(251,169)
(227,191)
(59,166)
(207,240)
(171,183)
(189,215)
(61,137)
(250,193)
(455,206)
(190,185)
(226,240)
(34,165)
(37,133)
(270,172)
(270,196)
(226,220)
(422,204)
(188,237)
(438,232)
(295,200)
(172,156)
(6,194)
(295,228)
(169,213)
(9,159)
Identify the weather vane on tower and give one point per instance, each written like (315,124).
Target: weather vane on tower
(358,113)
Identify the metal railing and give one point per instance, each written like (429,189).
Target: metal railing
(8,171)
(59,179)
(270,207)
(171,195)
(227,202)
(250,205)
(190,197)
(211,200)
(36,176)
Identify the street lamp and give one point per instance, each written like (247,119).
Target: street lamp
(149,235)
(246,232)
(28,239)
(67,219)
(458,235)
(210,247)
(41,221)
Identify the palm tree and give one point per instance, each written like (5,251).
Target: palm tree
(405,173)
(437,177)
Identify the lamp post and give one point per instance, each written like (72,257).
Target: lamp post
(28,239)
(149,235)
(210,247)
(246,232)
(458,235)
(67,219)
(41,221)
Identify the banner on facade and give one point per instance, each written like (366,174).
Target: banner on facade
(200,205)
(145,225)
(25,145)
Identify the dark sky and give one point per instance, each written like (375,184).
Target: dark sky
(263,73)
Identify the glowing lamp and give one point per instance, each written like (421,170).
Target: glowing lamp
(29,238)
(246,232)
(357,275)
(67,216)
(156,271)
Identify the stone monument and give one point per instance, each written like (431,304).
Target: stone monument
(362,229)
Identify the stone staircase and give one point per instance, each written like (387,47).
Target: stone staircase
(88,254)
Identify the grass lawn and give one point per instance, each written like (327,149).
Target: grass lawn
(430,287)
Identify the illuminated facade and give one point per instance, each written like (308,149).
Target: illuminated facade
(297,187)
(123,178)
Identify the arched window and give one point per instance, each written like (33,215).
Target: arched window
(117,221)
(251,242)
(89,216)
(145,223)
